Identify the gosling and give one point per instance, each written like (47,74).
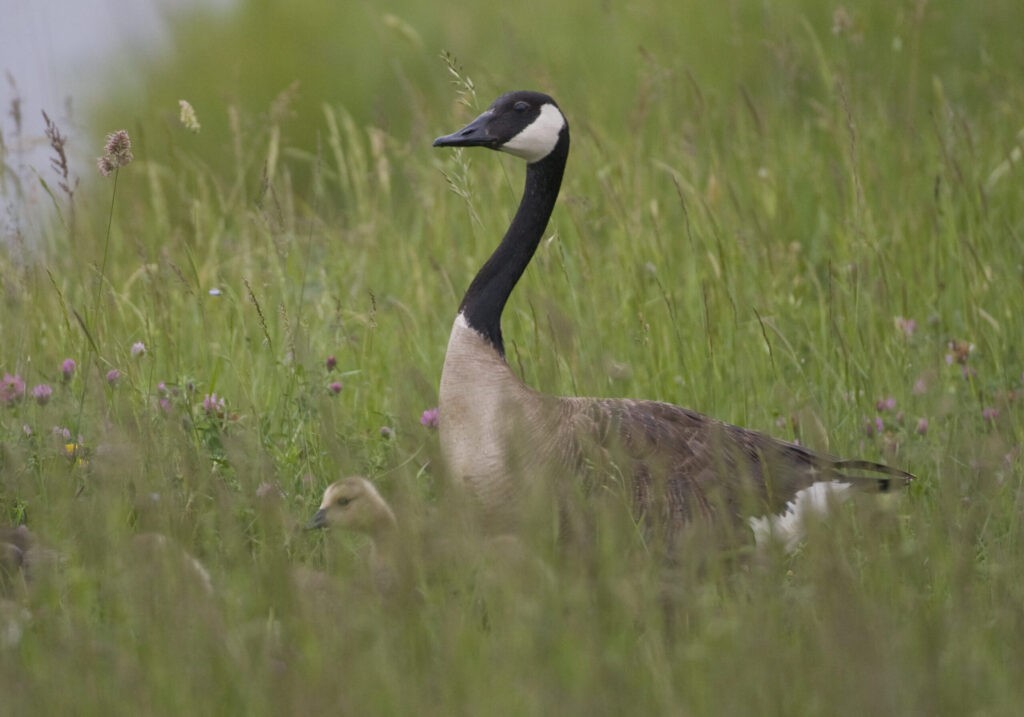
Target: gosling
(354,504)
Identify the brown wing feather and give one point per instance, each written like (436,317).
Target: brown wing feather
(683,463)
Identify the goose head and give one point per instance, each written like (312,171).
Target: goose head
(525,124)
(353,504)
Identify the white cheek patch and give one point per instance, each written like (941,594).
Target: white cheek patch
(536,141)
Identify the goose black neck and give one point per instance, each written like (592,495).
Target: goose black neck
(485,299)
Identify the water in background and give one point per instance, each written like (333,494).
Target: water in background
(56,57)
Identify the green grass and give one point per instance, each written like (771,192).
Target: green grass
(751,201)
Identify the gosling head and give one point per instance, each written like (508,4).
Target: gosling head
(353,504)
(528,125)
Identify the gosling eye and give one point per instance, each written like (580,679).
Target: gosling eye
(343,501)
(521,106)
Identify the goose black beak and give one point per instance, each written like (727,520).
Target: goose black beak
(474,134)
(318,521)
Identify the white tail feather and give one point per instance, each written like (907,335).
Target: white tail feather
(788,528)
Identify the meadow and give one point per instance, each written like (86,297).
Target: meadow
(806,219)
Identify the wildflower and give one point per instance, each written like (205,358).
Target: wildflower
(386,432)
(62,433)
(959,352)
(188,117)
(331,363)
(922,426)
(430,418)
(215,291)
(841,20)
(12,389)
(990,414)
(117,153)
(76,453)
(165,404)
(113,377)
(27,430)
(874,427)
(42,393)
(67,368)
(920,387)
(906,326)
(334,387)
(138,349)
(885,404)
(214,405)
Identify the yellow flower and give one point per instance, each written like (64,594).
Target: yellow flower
(76,453)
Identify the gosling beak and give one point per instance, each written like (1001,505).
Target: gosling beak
(318,521)
(474,134)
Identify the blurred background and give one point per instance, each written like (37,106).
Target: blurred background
(99,65)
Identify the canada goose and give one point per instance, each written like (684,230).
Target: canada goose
(400,557)
(13,620)
(161,560)
(19,558)
(498,435)
(14,543)
(353,503)
(23,560)
(166,593)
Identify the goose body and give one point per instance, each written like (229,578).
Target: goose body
(499,437)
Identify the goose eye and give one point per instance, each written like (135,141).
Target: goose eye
(343,501)
(521,106)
